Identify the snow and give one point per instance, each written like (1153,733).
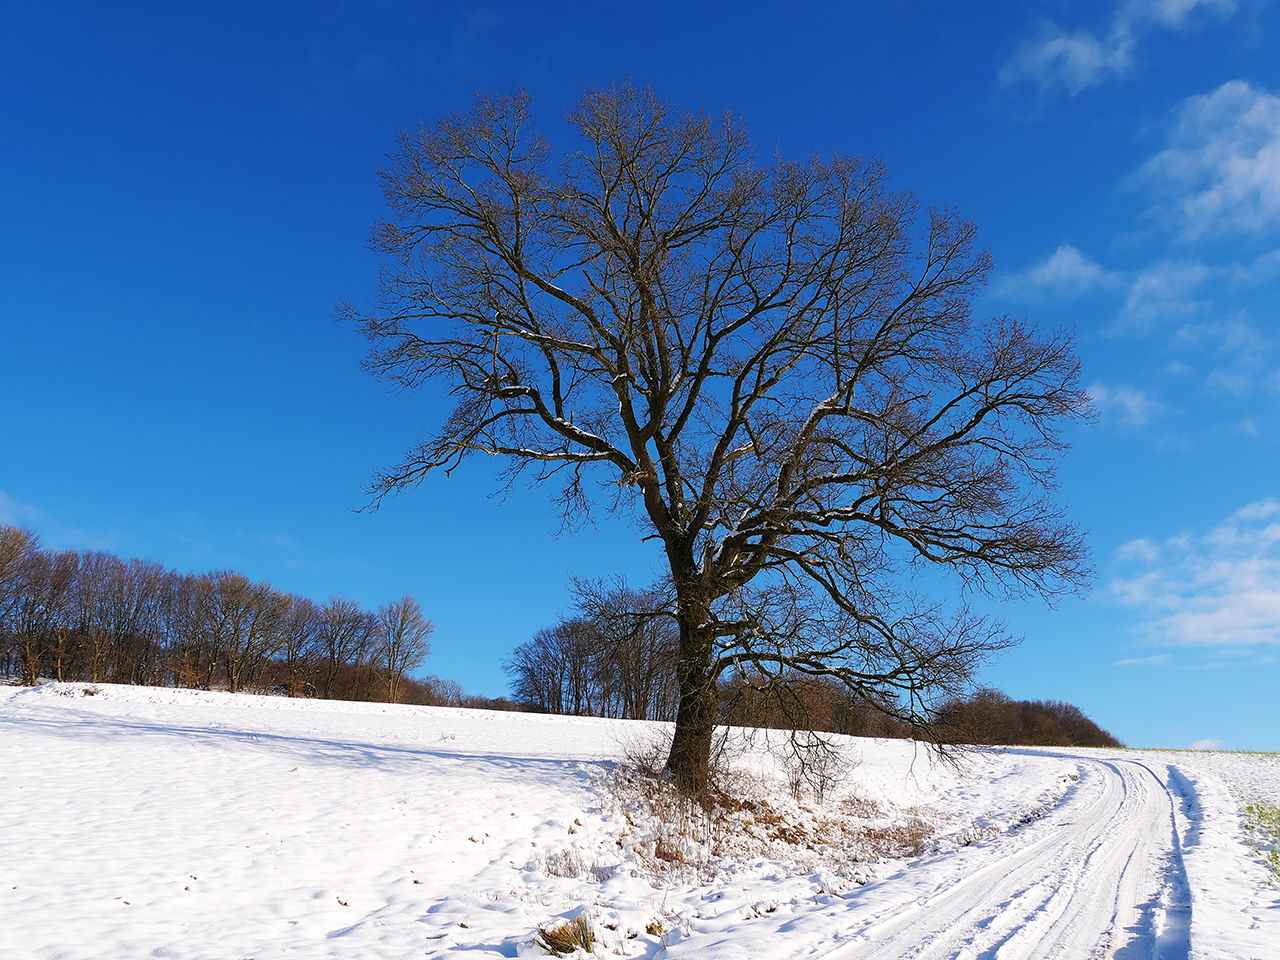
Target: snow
(140,822)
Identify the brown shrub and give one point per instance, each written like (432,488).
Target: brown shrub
(569,936)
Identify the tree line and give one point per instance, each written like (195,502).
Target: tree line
(617,654)
(616,657)
(92,616)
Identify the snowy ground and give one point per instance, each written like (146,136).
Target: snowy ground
(141,822)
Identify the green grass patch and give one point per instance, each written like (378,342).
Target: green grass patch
(1191,750)
(1262,834)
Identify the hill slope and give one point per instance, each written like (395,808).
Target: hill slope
(151,822)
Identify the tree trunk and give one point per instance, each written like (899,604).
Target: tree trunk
(689,761)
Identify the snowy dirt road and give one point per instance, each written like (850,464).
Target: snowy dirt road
(1099,876)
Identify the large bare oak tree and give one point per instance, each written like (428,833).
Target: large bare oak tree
(773,362)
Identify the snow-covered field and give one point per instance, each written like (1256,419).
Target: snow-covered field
(144,822)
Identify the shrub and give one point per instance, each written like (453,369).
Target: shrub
(567,937)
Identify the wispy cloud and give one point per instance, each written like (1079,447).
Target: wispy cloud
(1065,272)
(1229,352)
(1219,590)
(15,513)
(1165,292)
(52,532)
(1162,293)
(1240,350)
(1262,270)
(1079,59)
(1209,745)
(1127,405)
(1220,173)
(1159,660)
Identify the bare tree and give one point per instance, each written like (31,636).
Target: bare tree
(556,671)
(299,644)
(40,621)
(255,617)
(343,638)
(115,604)
(635,648)
(187,627)
(403,642)
(773,363)
(18,547)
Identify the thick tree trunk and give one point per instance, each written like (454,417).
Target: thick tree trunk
(689,762)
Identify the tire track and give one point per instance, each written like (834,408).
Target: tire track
(1101,876)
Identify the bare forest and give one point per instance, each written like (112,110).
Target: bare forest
(91,616)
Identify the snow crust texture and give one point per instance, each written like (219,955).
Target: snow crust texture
(144,822)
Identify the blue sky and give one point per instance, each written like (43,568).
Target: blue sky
(187,190)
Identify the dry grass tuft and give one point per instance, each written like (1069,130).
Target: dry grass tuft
(571,863)
(748,817)
(568,937)
(668,851)
(905,837)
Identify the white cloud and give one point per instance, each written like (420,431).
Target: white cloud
(1080,59)
(1220,172)
(1171,14)
(1240,346)
(1218,590)
(1161,293)
(1263,269)
(1159,660)
(1077,60)
(15,513)
(1065,272)
(1231,351)
(1130,406)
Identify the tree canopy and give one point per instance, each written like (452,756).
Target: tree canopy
(773,363)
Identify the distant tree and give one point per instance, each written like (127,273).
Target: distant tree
(92,616)
(773,363)
(17,548)
(187,628)
(255,619)
(115,616)
(403,642)
(615,657)
(39,616)
(555,672)
(992,717)
(633,645)
(1080,730)
(299,646)
(433,691)
(343,639)
(135,596)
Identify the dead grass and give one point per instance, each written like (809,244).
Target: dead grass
(571,863)
(747,818)
(567,937)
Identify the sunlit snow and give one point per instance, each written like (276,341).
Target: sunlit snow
(152,822)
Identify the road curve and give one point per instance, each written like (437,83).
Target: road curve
(1100,876)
